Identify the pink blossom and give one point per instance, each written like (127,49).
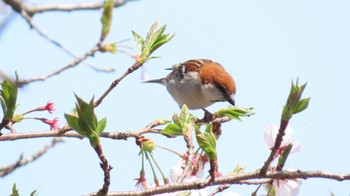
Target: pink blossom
(286,187)
(50,107)
(198,163)
(270,135)
(54,124)
(142,183)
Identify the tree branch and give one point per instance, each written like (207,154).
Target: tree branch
(4,171)
(278,142)
(32,9)
(66,132)
(237,179)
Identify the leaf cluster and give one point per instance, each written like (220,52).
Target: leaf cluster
(154,40)
(182,124)
(86,123)
(235,112)
(207,141)
(294,102)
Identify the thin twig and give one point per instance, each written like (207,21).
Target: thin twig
(4,171)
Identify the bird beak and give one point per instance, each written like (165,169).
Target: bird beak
(231,100)
(169,68)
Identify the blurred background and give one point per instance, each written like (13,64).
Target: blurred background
(264,45)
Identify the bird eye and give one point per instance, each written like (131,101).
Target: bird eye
(180,71)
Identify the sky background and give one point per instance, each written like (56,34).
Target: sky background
(264,45)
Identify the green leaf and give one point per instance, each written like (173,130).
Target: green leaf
(8,98)
(235,112)
(172,129)
(209,135)
(294,104)
(176,120)
(184,114)
(101,125)
(106,18)
(302,105)
(139,41)
(73,123)
(154,39)
(160,41)
(283,157)
(207,142)
(14,190)
(154,36)
(33,193)
(87,118)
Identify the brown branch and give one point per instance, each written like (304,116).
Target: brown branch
(188,165)
(278,142)
(246,178)
(32,9)
(4,171)
(66,132)
(106,170)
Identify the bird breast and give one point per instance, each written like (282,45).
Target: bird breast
(190,91)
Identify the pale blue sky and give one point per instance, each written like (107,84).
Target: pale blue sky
(263,44)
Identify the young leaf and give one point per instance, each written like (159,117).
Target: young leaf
(302,105)
(139,41)
(106,18)
(172,129)
(8,98)
(101,125)
(73,123)
(209,135)
(87,118)
(14,190)
(283,157)
(154,39)
(235,112)
(33,193)
(207,142)
(294,104)
(184,114)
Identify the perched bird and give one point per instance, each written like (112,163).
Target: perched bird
(199,83)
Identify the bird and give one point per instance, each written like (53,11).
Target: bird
(199,83)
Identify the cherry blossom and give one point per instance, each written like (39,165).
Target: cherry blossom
(288,187)
(50,107)
(54,124)
(270,135)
